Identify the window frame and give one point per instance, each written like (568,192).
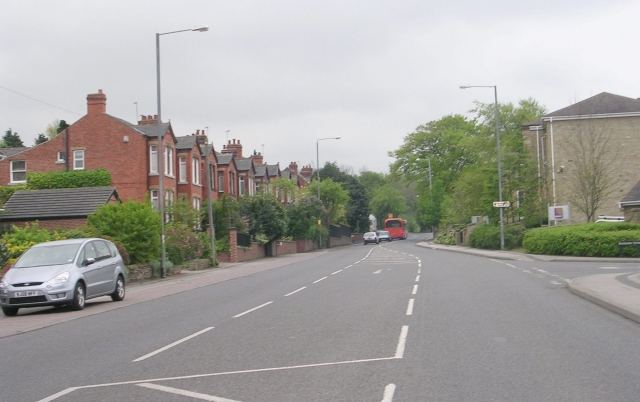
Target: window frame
(13,171)
(168,161)
(77,152)
(195,167)
(153,159)
(182,162)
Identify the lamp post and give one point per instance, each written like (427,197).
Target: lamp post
(160,148)
(318,159)
(495,92)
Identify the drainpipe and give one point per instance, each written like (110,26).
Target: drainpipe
(553,163)
(66,148)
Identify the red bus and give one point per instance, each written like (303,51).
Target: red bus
(396,227)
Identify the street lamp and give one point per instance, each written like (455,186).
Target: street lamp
(160,148)
(318,159)
(212,228)
(495,92)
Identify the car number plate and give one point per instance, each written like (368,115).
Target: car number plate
(27,293)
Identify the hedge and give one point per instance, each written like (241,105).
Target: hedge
(70,179)
(589,240)
(488,237)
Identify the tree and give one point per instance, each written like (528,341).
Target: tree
(333,197)
(371,181)
(12,140)
(265,215)
(41,139)
(226,214)
(387,201)
(55,127)
(303,216)
(357,208)
(136,225)
(595,160)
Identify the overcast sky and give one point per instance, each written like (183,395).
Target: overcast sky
(280,74)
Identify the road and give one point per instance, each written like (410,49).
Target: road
(393,322)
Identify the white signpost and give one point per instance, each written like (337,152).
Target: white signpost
(501,204)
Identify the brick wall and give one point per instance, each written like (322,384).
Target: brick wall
(51,224)
(254,252)
(286,247)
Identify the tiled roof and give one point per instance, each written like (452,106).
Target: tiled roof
(186,142)
(261,170)
(603,103)
(224,159)
(243,164)
(151,131)
(273,170)
(6,152)
(56,203)
(633,195)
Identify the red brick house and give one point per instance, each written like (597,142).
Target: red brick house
(246,176)
(190,172)
(98,140)
(227,178)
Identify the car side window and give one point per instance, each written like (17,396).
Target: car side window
(113,249)
(102,250)
(89,252)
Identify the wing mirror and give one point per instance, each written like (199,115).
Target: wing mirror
(89,261)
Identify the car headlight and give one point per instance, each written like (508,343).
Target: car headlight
(3,283)
(62,278)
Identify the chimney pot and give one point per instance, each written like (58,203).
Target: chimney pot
(155,117)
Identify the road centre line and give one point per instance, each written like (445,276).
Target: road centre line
(295,291)
(336,272)
(415,289)
(176,391)
(171,345)
(418,278)
(402,342)
(321,279)
(410,307)
(388,393)
(253,309)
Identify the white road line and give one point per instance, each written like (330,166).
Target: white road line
(388,393)
(336,272)
(417,278)
(295,291)
(206,375)
(419,270)
(526,271)
(415,289)
(182,392)
(410,307)
(349,266)
(378,271)
(171,345)
(253,309)
(555,283)
(402,342)
(419,265)
(321,279)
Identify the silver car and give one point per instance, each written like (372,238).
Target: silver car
(63,272)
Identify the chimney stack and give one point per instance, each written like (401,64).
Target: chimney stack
(233,148)
(96,103)
(257,158)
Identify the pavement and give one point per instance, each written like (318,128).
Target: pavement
(618,292)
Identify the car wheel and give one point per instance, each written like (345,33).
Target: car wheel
(10,311)
(118,294)
(78,297)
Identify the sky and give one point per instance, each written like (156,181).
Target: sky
(278,75)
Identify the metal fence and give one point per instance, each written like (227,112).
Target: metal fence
(338,231)
(243,239)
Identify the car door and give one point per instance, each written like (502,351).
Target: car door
(107,266)
(91,271)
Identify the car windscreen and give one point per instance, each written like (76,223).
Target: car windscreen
(48,255)
(394,224)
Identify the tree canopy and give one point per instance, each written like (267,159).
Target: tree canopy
(11,140)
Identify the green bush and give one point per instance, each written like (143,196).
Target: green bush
(445,238)
(182,243)
(589,240)
(70,179)
(7,191)
(18,240)
(4,254)
(132,223)
(488,237)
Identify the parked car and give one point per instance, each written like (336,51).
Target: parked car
(384,235)
(370,237)
(65,272)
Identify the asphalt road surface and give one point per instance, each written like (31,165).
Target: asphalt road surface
(390,322)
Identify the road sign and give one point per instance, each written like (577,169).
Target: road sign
(501,204)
